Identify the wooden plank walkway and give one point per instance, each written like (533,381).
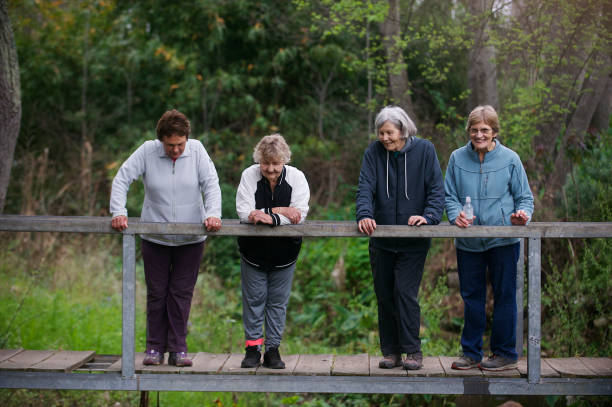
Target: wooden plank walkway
(296,365)
(44,360)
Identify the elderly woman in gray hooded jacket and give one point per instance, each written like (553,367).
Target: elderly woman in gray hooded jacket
(400,183)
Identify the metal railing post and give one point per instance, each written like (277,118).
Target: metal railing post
(128,305)
(534,310)
(520,284)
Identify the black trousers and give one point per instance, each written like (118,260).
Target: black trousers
(397,278)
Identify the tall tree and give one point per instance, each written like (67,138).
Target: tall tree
(556,63)
(482,69)
(399,86)
(10,100)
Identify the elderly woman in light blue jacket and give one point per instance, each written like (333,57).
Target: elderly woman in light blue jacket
(176,172)
(493,177)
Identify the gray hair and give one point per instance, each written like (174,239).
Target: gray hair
(272,148)
(398,117)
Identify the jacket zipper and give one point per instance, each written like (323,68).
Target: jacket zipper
(173,193)
(479,195)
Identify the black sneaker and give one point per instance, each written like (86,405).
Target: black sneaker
(272,359)
(252,357)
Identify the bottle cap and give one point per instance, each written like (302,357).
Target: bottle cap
(468,199)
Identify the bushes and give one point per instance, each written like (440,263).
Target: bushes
(577,293)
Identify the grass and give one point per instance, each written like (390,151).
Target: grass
(65,293)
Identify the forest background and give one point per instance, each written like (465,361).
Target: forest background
(91,78)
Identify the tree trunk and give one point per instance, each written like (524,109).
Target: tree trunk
(482,70)
(601,118)
(10,100)
(86,147)
(591,94)
(370,83)
(572,84)
(399,87)
(567,75)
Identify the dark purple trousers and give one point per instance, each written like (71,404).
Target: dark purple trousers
(170,273)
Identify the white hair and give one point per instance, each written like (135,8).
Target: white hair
(398,117)
(272,148)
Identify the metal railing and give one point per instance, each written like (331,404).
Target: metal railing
(533,232)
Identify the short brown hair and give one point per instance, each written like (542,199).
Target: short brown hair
(173,122)
(485,114)
(271,148)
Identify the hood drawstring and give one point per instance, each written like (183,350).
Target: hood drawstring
(405,176)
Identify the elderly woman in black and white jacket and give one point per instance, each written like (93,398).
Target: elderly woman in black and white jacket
(271,193)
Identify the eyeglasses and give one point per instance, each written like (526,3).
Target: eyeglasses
(484,131)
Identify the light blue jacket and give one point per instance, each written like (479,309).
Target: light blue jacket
(498,187)
(173,189)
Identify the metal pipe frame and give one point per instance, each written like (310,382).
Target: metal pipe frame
(128,306)
(520,283)
(534,384)
(534,298)
(306,384)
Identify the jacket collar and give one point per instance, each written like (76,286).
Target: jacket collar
(407,147)
(491,155)
(281,177)
(162,153)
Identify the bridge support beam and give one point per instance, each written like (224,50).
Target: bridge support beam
(128,305)
(534,311)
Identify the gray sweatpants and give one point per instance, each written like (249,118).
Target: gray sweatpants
(265,295)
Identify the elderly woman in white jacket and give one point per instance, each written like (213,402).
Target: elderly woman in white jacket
(176,171)
(270,193)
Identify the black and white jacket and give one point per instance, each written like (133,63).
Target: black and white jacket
(254,192)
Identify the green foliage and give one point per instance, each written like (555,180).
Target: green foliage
(523,116)
(96,75)
(544,57)
(578,293)
(587,191)
(434,313)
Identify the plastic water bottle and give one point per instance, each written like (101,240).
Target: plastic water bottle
(468,209)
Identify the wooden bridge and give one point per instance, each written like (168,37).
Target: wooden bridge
(84,370)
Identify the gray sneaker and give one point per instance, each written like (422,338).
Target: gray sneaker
(464,363)
(413,361)
(390,361)
(497,363)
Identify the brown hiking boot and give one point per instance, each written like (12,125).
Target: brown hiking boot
(413,361)
(390,361)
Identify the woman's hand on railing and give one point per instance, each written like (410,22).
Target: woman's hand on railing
(212,224)
(256,216)
(293,214)
(519,218)
(416,220)
(119,223)
(367,226)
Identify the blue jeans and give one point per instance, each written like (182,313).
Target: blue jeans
(501,262)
